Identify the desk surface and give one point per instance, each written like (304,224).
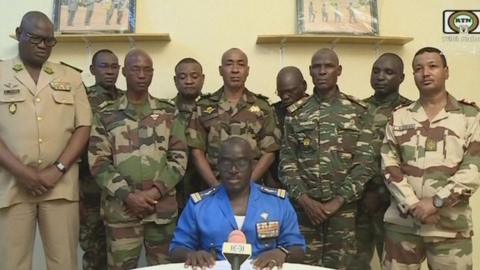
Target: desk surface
(223,265)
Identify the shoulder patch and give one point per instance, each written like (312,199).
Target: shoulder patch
(357,101)
(72,67)
(471,103)
(198,196)
(281,193)
(298,104)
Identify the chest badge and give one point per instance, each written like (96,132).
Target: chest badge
(430,145)
(154,116)
(307,142)
(254,109)
(209,109)
(268,229)
(12,108)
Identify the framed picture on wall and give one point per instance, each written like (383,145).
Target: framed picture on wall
(94,16)
(354,17)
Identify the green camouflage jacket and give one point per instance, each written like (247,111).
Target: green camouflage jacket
(97,95)
(325,151)
(423,158)
(128,154)
(215,120)
(378,114)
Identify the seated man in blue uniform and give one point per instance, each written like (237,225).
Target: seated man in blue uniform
(263,214)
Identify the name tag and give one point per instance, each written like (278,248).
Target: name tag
(11,91)
(404,127)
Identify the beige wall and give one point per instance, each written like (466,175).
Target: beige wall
(204,29)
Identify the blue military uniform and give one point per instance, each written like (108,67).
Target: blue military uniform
(208,219)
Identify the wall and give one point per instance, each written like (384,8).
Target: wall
(205,29)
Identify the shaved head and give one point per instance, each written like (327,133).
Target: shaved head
(136,53)
(32,17)
(326,52)
(231,51)
(291,85)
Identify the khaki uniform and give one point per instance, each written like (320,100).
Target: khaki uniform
(423,158)
(36,124)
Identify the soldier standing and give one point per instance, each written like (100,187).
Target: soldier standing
(188,80)
(385,79)
(44,129)
(325,161)
(291,87)
(105,68)
(137,154)
(431,156)
(233,111)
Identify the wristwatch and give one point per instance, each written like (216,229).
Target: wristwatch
(438,202)
(284,250)
(60,166)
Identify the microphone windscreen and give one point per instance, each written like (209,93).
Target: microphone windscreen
(237,236)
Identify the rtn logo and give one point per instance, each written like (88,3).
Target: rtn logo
(461,22)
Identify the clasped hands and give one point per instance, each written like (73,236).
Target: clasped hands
(140,204)
(39,182)
(319,212)
(425,212)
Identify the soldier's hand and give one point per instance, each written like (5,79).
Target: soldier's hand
(199,260)
(332,206)
(31,182)
(424,208)
(139,205)
(50,176)
(270,259)
(315,211)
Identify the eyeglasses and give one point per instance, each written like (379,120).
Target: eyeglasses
(34,39)
(240,164)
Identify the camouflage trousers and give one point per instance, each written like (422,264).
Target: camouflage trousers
(369,232)
(124,244)
(93,239)
(407,251)
(331,244)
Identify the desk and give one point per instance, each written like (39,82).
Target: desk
(224,265)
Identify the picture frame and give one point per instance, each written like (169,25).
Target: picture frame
(94,16)
(346,17)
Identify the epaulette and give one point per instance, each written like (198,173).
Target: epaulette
(167,101)
(281,193)
(357,101)
(471,103)
(261,96)
(298,104)
(198,196)
(204,96)
(72,67)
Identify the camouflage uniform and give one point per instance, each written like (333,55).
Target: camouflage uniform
(423,158)
(92,229)
(369,226)
(281,112)
(128,153)
(191,181)
(215,120)
(326,153)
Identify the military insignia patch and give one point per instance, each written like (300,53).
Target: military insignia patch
(254,108)
(268,229)
(430,145)
(17,67)
(154,116)
(307,142)
(404,127)
(209,109)
(61,86)
(12,108)
(48,70)
(264,215)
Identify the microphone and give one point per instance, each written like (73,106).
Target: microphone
(236,250)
